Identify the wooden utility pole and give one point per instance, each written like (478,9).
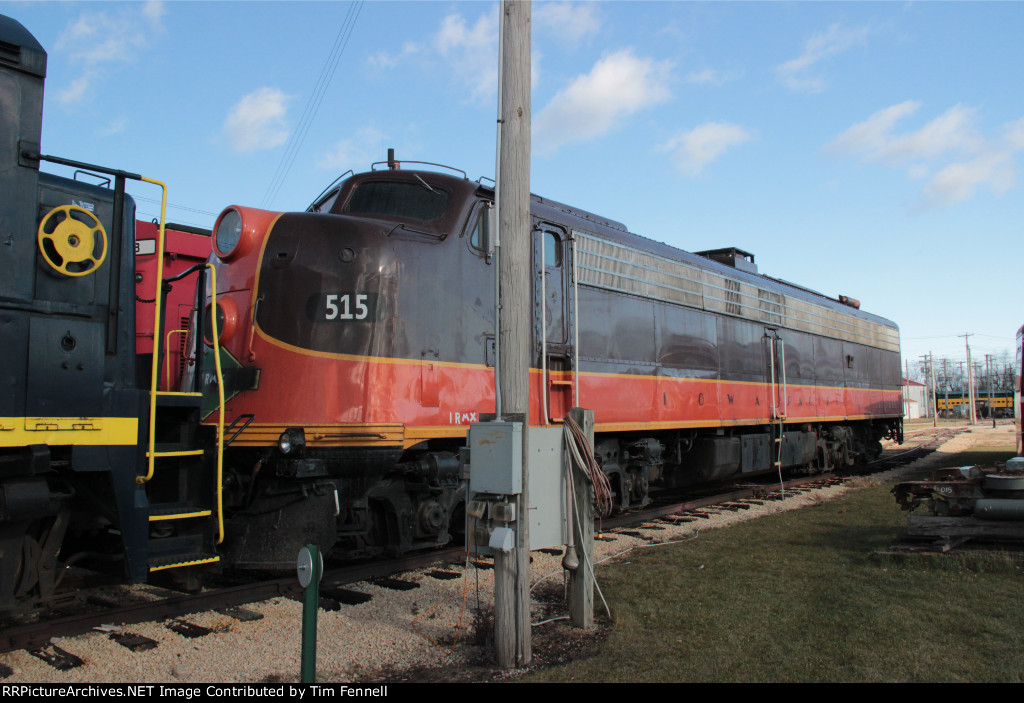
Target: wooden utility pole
(935,397)
(906,386)
(581,580)
(924,363)
(970,379)
(512,570)
(991,399)
(945,379)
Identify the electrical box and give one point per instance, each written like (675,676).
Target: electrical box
(547,487)
(496,458)
(495,475)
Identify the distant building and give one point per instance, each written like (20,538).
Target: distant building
(915,400)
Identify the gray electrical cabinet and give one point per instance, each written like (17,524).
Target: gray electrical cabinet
(496,458)
(495,470)
(547,487)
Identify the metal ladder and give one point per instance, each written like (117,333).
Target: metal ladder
(185,499)
(778,390)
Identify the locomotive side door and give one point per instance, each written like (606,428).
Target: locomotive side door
(551,319)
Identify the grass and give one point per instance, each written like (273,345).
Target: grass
(803,596)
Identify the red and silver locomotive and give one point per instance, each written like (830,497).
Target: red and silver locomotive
(357,340)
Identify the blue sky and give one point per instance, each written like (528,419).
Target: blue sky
(869,149)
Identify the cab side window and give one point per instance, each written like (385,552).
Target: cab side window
(552,249)
(479,236)
(327,203)
(476,239)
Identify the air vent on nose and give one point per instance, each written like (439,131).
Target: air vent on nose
(282,253)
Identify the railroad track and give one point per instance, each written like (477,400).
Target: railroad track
(155,604)
(768,488)
(96,608)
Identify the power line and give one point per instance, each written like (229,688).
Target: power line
(176,207)
(313,104)
(941,336)
(955,336)
(155,217)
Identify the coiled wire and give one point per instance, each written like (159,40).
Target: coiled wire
(583,458)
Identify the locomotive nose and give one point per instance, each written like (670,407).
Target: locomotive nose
(321,283)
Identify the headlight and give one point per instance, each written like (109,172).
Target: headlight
(292,440)
(208,324)
(227,232)
(227,321)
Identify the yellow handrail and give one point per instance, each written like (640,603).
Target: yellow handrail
(220,401)
(155,370)
(155,373)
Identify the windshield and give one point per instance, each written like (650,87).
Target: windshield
(400,199)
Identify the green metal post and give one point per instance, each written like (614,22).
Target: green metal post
(310,606)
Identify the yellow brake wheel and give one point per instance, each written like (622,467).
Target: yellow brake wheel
(72,240)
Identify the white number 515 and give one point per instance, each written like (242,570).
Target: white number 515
(344,313)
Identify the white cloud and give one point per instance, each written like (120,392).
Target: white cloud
(959,181)
(952,131)
(571,22)
(78,88)
(693,150)
(948,152)
(257,121)
(98,40)
(993,168)
(357,153)
(797,74)
(154,11)
(871,135)
(470,49)
(619,85)
(382,59)
(1015,135)
(472,52)
(711,76)
(116,127)
(874,138)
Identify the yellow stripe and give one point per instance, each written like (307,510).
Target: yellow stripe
(57,431)
(415,435)
(180,516)
(185,563)
(691,424)
(325,435)
(394,435)
(367,359)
